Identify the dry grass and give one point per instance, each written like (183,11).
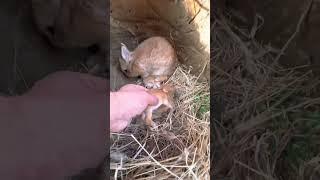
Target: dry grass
(266,118)
(180,147)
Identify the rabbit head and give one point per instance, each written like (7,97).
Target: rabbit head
(154,60)
(72,23)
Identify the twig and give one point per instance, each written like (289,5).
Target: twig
(253,170)
(200,74)
(266,116)
(202,6)
(302,17)
(256,26)
(194,17)
(248,55)
(153,158)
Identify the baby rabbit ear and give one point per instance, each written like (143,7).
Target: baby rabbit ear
(125,53)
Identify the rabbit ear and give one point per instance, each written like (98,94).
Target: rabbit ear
(125,53)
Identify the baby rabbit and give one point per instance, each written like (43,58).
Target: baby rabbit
(154,60)
(165,96)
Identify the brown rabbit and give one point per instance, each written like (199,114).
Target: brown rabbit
(72,23)
(165,96)
(154,60)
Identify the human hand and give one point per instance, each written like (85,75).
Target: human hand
(130,101)
(59,126)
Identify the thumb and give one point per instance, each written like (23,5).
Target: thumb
(125,105)
(132,87)
(151,99)
(95,83)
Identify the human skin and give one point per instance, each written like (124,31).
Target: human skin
(59,127)
(129,101)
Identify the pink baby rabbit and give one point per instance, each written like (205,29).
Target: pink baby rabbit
(165,96)
(154,60)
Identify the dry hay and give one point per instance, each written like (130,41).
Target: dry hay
(180,147)
(266,118)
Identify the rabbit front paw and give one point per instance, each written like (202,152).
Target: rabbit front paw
(139,82)
(152,82)
(153,85)
(148,85)
(157,85)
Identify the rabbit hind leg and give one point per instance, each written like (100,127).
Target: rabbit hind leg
(148,118)
(169,104)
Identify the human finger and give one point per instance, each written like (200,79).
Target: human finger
(151,99)
(132,87)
